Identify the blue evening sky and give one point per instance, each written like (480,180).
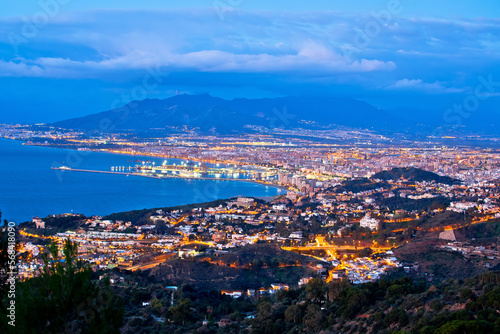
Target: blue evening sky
(66,58)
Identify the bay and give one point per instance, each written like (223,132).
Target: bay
(29,187)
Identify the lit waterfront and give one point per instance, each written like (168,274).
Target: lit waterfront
(37,190)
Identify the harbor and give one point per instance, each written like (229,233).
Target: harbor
(149,173)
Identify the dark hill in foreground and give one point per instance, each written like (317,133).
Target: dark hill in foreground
(248,267)
(414,174)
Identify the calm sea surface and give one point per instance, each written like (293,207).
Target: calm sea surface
(29,187)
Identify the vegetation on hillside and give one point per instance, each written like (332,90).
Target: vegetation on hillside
(141,217)
(398,305)
(63,299)
(413,174)
(359,185)
(408,204)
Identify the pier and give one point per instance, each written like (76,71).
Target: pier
(170,176)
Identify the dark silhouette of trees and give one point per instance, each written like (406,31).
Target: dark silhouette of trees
(64,299)
(316,290)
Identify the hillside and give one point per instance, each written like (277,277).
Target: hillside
(408,204)
(392,305)
(212,114)
(359,185)
(249,267)
(141,217)
(414,174)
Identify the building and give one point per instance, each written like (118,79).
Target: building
(296,235)
(38,222)
(245,202)
(369,222)
(219,236)
(303,281)
(234,294)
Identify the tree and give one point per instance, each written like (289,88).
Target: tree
(182,313)
(156,306)
(316,290)
(256,264)
(365,252)
(64,299)
(293,314)
(335,287)
(313,319)
(467,327)
(161,227)
(265,310)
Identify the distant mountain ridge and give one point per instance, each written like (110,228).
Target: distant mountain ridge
(216,115)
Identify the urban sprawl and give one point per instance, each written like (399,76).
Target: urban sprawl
(348,200)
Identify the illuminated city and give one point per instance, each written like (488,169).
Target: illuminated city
(250,167)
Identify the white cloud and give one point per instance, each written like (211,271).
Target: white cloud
(308,62)
(418,84)
(98,44)
(19,69)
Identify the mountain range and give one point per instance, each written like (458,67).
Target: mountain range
(209,114)
(213,114)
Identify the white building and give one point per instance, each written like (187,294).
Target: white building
(38,222)
(296,235)
(369,222)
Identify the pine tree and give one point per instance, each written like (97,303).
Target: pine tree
(64,299)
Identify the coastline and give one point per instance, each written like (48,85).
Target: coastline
(29,174)
(145,155)
(155,156)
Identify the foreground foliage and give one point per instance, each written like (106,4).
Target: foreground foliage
(400,305)
(64,299)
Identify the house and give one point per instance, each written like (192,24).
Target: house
(304,281)
(279,286)
(245,202)
(369,222)
(38,222)
(279,207)
(188,252)
(219,236)
(234,294)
